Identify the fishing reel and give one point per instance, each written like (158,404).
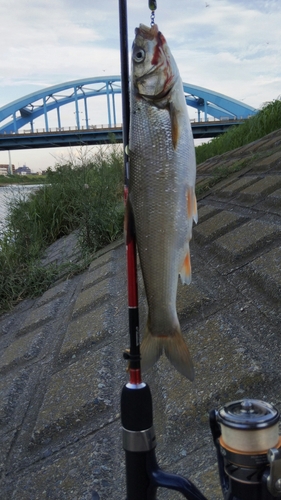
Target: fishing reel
(246,437)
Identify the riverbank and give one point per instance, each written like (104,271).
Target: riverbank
(21,179)
(61,363)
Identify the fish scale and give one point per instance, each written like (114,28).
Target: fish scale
(160,177)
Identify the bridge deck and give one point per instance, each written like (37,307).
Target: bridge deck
(96,135)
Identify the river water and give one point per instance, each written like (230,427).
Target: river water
(12,192)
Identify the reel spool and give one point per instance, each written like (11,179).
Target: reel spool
(246,435)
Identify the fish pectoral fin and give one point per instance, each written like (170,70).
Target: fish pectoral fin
(191,204)
(185,272)
(175,126)
(178,354)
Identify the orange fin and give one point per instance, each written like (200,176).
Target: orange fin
(175,349)
(191,204)
(185,272)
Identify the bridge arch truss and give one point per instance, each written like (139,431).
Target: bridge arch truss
(26,110)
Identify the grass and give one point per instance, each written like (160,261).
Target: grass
(84,195)
(265,121)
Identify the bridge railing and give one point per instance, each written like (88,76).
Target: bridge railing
(64,129)
(117,126)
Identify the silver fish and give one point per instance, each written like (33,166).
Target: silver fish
(161,192)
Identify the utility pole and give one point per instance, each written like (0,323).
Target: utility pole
(10,169)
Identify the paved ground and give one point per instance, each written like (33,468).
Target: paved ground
(61,361)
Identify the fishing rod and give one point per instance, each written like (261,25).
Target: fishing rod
(134,352)
(246,471)
(143,476)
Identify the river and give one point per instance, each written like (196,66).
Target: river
(12,192)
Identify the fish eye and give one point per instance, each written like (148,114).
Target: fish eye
(139,55)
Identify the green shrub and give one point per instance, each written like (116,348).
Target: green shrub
(265,121)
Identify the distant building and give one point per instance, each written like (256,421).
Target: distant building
(5,168)
(23,170)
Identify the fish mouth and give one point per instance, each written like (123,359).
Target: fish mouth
(149,33)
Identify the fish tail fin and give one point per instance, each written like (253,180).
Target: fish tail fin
(178,354)
(175,349)
(151,350)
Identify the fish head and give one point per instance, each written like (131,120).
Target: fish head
(154,70)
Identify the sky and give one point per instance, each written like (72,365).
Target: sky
(229,46)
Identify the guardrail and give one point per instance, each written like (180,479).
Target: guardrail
(118,126)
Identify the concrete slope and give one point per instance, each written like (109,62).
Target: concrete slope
(61,362)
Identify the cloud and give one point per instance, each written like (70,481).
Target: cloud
(52,47)
(230,46)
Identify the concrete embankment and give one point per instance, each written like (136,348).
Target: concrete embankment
(61,362)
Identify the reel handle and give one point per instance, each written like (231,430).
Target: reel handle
(143,475)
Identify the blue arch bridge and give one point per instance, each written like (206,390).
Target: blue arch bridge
(38,120)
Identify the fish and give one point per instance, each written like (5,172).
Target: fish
(161,194)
